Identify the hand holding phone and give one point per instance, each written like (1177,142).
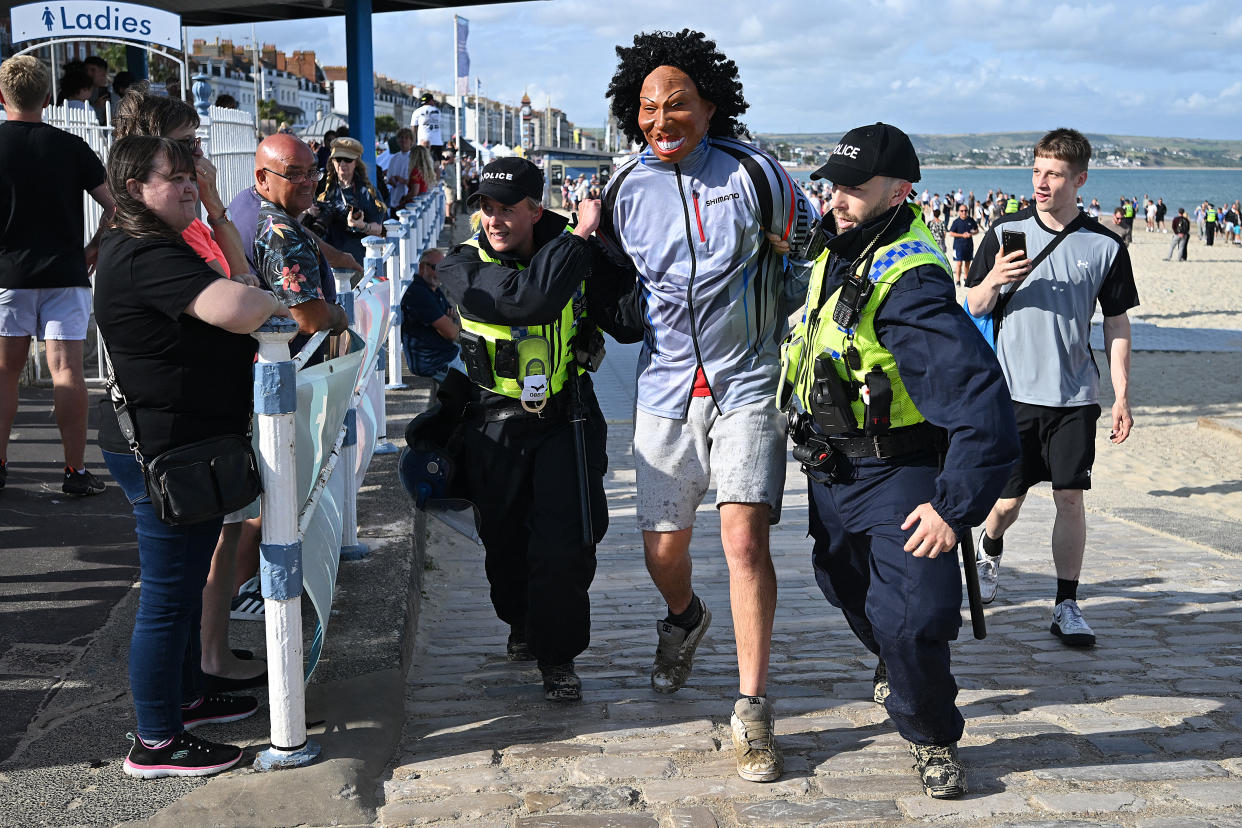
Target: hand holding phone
(1012,265)
(1012,240)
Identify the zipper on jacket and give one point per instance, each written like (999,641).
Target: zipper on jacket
(694,268)
(698,217)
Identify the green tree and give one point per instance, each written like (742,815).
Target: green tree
(114,53)
(386,125)
(270,110)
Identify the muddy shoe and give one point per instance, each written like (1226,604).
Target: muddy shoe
(758,756)
(516,648)
(561,683)
(675,652)
(941,771)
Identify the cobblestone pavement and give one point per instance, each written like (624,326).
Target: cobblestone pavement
(1144,730)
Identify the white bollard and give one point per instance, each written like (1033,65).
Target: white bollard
(396,269)
(275,404)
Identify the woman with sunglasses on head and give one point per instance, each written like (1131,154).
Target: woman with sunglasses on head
(348,206)
(220,246)
(178,338)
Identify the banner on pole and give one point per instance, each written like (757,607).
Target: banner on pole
(463,56)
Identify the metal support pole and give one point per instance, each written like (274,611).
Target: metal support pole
(275,404)
(396,267)
(374,264)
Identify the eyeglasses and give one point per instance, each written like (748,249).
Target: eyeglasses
(192,144)
(313,174)
(345,160)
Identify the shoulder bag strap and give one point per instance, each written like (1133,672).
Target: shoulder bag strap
(1002,302)
(121,404)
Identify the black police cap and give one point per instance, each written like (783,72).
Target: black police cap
(868,151)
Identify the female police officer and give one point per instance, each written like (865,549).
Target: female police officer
(528,315)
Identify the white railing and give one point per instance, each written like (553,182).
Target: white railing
(306,535)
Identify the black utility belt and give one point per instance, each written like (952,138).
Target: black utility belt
(557,408)
(899,443)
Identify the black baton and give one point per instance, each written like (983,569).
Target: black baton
(967,545)
(577,416)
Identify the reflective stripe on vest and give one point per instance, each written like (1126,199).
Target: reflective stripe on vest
(820,335)
(559,335)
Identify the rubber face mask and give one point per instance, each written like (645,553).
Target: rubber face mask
(672,115)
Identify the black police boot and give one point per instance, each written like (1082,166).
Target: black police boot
(561,683)
(941,771)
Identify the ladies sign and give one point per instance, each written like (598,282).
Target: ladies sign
(90,20)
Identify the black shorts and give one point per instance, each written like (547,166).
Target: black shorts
(1058,444)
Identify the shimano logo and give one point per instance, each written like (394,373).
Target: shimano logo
(1082,264)
(719,199)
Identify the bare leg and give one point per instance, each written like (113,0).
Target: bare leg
(668,563)
(752,590)
(13,353)
(64,360)
(247,557)
(1003,515)
(218,659)
(1069,533)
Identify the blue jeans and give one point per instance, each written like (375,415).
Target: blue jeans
(164,652)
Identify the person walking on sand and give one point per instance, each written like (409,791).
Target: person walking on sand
(1044,349)
(1181,234)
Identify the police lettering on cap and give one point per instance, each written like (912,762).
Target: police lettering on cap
(868,151)
(509,180)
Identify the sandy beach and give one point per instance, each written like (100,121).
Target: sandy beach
(1174,472)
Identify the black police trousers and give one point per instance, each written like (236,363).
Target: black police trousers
(904,609)
(522,475)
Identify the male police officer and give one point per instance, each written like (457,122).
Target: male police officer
(906,433)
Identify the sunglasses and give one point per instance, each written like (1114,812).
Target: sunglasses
(192,144)
(313,174)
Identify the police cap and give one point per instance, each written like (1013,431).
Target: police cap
(509,180)
(868,151)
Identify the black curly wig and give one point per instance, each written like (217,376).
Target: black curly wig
(713,74)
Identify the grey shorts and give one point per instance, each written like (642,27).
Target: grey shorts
(46,313)
(675,461)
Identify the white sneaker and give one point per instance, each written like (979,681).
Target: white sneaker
(989,572)
(1069,625)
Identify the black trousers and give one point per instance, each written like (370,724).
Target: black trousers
(904,609)
(522,475)
(1211,233)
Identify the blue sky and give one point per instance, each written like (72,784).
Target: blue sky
(946,66)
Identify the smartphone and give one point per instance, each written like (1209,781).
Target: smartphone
(1012,240)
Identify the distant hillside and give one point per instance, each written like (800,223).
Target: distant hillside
(996,149)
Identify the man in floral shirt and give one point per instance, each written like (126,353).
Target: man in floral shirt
(288,259)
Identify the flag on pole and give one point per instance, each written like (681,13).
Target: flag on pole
(463,56)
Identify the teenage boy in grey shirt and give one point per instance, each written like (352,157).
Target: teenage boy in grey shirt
(1043,344)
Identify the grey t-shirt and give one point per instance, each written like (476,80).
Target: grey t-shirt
(1044,343)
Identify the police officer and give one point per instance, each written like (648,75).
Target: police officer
(528,314)
(906,432)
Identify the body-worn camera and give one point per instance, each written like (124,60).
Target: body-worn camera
(831,398)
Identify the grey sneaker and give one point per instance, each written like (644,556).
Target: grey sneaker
(758,756)
(1069,625)
(940,770)
(989,572)
(879,684)
(675,652)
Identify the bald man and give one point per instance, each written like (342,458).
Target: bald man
(287,257)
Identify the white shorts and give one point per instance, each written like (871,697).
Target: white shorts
(675,460)
(48,313)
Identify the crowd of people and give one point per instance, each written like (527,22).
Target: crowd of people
(915,416)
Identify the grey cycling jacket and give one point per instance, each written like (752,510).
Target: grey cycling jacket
(714,292)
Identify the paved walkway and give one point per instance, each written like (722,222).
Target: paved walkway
(1145,730)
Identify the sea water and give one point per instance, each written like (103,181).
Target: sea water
(1178,187)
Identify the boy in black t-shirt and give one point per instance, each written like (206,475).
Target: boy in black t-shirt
(44,282)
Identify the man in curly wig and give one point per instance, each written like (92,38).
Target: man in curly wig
(716,229)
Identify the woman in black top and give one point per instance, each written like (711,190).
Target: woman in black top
(177,333)
(348,208)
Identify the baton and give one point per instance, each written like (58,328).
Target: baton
(577,417)
(967,545)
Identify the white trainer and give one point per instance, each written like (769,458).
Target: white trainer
(1069,625)
(989,572)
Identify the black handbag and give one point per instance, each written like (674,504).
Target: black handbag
(201,481)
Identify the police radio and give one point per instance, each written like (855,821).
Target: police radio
(854,295)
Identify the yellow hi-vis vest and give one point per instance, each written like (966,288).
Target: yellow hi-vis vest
(1011,206)
(558,334)
(1210,218)
(819,334)
(1129,210)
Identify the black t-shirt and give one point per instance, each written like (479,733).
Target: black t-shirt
(187,380)
(43,173)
